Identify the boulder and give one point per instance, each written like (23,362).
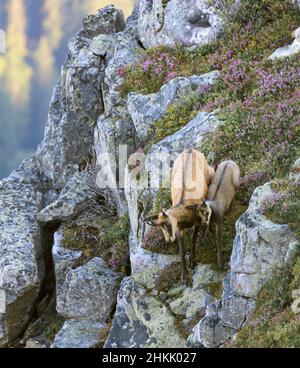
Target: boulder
(145,110)
(88,292)
(260,247)
(75,197)
(78,335)
(142,321)
(77,100)
(183,22)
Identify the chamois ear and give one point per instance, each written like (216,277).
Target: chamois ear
(150,220)
(165,212)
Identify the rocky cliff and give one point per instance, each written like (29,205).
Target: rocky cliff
(78,266)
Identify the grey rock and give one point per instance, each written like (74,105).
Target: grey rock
(114,126)
(204,274)
(184,22)
(21,263)
(76,196)
(64,260)
(260,248)
(176,291)
(77,101)
(141,320)
(146,267)
(145,110)
(78,335)
(101,45)
(295,171)
(288,51)
(296,3)
(88,292)
(212,332)
(192,303)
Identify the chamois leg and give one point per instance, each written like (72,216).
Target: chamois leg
(184,271)
(219,233)
(192,255)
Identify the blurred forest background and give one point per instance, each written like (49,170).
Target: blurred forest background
(37,34)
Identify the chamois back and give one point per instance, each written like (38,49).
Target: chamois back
(224,184)
(190,179)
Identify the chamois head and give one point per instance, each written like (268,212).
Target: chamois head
(174,219)
(164,221)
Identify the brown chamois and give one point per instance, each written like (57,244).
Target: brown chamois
(221,193)
(190,180)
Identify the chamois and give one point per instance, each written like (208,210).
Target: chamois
(221,193)
(190,180)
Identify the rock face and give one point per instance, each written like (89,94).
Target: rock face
(290,50)
(21,263)
(77,101)
(142,321)
(260,248)
(152,319)
(114,126)
(184,22)
(145,110)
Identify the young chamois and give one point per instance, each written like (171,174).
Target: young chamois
(221,193)
(190,180)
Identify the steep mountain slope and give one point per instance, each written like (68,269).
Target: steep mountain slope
(79,267)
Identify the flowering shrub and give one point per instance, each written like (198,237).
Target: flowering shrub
(262,128)
(284,205)
(112,246)
(255,30)
(115,243)
(155,242)
(159,65)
